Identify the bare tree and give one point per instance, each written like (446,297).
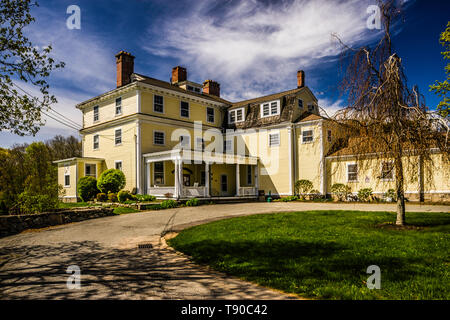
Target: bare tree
(383,117)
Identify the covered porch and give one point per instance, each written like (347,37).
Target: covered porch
(183,174)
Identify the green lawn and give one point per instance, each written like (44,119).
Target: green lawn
(124,210)
(325,254)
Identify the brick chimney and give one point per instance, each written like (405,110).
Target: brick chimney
(125,68)
(300,79)
(211,87)
(179,74)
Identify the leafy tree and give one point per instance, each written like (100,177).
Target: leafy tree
(64,147)
(20,60)
(111,180)
(87,188)
(443,88)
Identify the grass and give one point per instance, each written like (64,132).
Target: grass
(325,254)
(124,210)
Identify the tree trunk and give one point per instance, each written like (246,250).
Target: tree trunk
(399,184)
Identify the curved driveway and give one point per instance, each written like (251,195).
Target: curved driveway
(33,264)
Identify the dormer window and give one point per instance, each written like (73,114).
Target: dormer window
(271,108)
(236,115)
(300,104)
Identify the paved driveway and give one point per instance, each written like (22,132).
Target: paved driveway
(33,264)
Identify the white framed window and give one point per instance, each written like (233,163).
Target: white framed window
(158,104)
(184,109)
(236,115)
(66,176)
(307,136)
(352,172)
(90,170)
(159,138)
(118,137)
(185,142)
(158,172)
(274,139)
(96,114)
(329,137)
(118,164)
(96,142)
(200,144)
(269,109)
(387,170)
(119,106)
(300,104)
(227,145)
(210,115)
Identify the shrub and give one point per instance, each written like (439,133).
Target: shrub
(102,197)
(340,190)
(315,194)
(32,203)
(111,180)
(302,187)
(145,198)
(87,188)
(125,195)
(289,198)
(192,202)
(167,204)
(112,197)
(365,194)
(390,195)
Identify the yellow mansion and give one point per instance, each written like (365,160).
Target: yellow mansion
(181,140)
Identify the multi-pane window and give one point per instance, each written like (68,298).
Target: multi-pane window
(307,136)
(387,170)
(90,170)
(210,114)
(329,135)
(184,109)
(310,107)
(158,104)
(300,104)
(236,115)
(96,141)
(96,117)
(158,176)
(66,180)
(352,172)
(270,108)
(158,138)
(118,165)
(200,144)
(274,139)
(227,144)
(118,106)
(118,136)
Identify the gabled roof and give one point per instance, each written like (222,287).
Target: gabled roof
(269,97)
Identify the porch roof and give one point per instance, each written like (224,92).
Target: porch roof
(203,156)
(77,159)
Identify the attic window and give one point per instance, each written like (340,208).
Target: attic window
(271,108)
(311,107)
(236,115)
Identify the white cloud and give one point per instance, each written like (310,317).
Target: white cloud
(254,47)
(330,107)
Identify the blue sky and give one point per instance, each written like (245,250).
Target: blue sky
(252,48)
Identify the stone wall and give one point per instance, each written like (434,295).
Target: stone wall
(15,224)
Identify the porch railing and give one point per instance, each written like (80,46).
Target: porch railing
(160,192)
(248,191)
(194,192)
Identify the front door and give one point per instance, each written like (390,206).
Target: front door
(224,184)
(186,180)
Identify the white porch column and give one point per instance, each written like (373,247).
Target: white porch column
(237,180)
(207,179)
(149,166)
(177,177)
(180,178)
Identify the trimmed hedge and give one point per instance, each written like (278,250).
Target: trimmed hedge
(111,180)
(87,188)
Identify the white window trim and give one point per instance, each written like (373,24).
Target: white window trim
(189,110)
(121,137)
(352,181)
(162,104)
(393,171)
(65,175)
(118,161)
(90,164)
(164,173)
(199,143)
(214,115)
(306,142)
(121,107)
(225,144)
(98,114)
(235,115)
(270,109)
(164,135)
(93,141)
(183,144)
(274,132)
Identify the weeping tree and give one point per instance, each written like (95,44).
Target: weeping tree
(384,118)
